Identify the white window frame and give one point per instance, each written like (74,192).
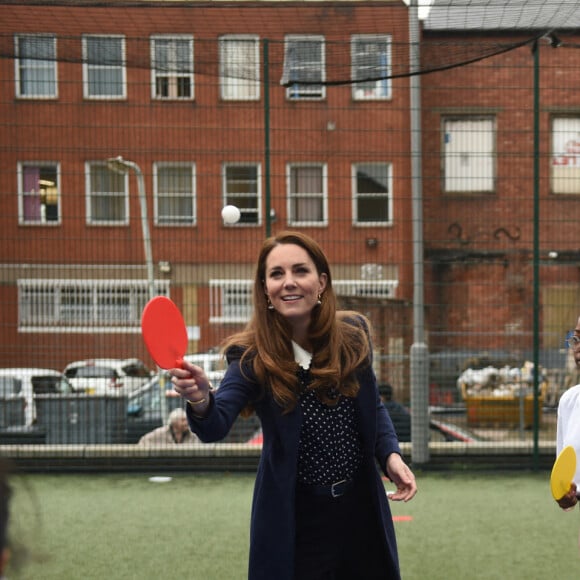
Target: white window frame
(113,177)
(179,219)
(175,71)
(306,195)
(250,216)
(230,300)
(45,191)
(33,67)
(565,155)
(296,90)
(468,154)
(90,68)
(244,84)
(358,196)
(83,306)
(379,89)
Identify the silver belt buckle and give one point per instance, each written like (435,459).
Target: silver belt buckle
(334,493)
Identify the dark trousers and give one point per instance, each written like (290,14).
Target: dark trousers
(340,539)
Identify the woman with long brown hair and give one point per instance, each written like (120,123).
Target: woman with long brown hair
(320,510)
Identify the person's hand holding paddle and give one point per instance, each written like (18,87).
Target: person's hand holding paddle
(165,336)
(563,488)
(191,383)
(570,499)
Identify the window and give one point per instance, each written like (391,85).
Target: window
(172,67)
(104,67)
(107,196)
(565,161)
(230,300)
(372,199)
(35,66)
(468,155)
(241,187)
(307,198)
(174,194)
(371,63)
(239,68)
(85,305)
(304,67)
(38,193)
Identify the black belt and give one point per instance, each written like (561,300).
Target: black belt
(332,490)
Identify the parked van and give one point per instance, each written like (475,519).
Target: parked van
(23,384)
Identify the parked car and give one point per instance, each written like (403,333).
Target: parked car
(144,406)
(25,383)
(107,376)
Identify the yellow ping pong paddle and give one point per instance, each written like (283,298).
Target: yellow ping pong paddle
(563,472)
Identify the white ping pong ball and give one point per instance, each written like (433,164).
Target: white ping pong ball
(231,214)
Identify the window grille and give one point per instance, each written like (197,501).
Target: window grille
(83,305)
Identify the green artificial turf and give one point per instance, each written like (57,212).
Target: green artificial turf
(460,526)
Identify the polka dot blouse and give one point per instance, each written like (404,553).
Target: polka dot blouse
(330,448)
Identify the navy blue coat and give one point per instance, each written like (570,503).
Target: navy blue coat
(272,521)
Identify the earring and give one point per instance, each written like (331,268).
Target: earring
(270,305)
(319,299)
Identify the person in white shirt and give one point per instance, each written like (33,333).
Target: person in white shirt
(568,428)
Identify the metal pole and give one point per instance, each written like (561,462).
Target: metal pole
(120,165)
(266,84)
(536,252)
(419,354)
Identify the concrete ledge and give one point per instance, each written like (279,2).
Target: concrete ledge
(244,457)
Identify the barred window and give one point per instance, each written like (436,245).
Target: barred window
(366,288)
(83,305)
(230,300)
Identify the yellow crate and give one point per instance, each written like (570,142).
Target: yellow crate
(501,410)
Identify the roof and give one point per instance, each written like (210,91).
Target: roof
(461,15)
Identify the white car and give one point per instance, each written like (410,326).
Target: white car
(25,383)
(107,376)
(214,364)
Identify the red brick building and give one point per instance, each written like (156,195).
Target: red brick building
(501,175)
(298,113)
(249,104)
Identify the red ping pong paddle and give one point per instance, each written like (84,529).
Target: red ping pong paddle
(164,332)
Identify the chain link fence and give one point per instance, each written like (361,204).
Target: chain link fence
(302,117)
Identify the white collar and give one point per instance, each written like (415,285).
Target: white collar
(301,356)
